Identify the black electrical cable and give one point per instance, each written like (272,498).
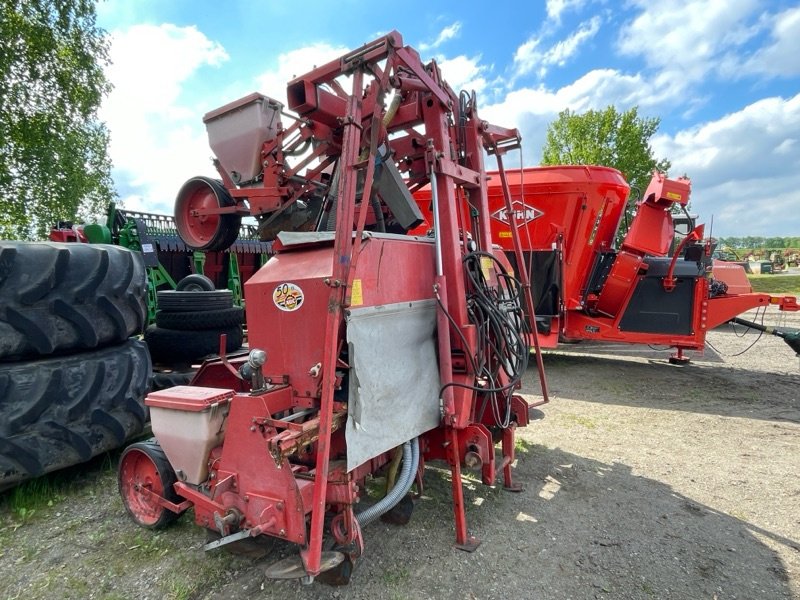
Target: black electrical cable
(746,330)
(502,351)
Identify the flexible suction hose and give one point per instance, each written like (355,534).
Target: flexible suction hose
(407,474)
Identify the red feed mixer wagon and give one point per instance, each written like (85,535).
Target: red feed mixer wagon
(647,291)
(371,351)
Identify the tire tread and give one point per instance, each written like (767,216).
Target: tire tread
(57,298)
(61,411)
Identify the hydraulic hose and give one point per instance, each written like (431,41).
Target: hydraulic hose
(333,193)
(407,475)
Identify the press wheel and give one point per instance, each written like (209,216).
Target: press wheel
(209,232)
(144,466)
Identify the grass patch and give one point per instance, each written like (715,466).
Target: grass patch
(776,284)
(395,576)
(580,420)
(23,502)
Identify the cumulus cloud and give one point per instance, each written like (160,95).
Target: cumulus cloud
(686,40)
(532,109)
(448,33)
(464,73)
(529,56)
(157,139)
(779,58)
(555,8)
(294,63)
(743,167)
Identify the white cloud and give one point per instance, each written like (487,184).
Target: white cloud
(743,168)
(532,109)
(781,58)
(687,39)
(294,63)
(555,8)
(448,33)
(464,73)
(157,137)
(529,56)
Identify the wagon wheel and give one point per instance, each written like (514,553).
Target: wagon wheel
(205,232)
(144,466)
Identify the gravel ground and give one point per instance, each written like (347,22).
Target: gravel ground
(644,480)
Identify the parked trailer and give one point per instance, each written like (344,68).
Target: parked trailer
(585,288)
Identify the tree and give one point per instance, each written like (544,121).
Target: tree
(53,150)
(608,137)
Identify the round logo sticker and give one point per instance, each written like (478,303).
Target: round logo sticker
(288,297)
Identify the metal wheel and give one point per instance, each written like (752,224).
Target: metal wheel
(205,232)
(144,466)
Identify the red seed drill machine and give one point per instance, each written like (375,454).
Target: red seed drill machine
(370,350)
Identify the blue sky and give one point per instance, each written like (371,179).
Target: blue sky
(723,76)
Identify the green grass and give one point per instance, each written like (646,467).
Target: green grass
(776,284)
(24,501)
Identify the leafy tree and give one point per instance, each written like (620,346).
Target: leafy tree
(53,150)
(606,137)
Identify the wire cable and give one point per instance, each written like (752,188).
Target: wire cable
(502,351)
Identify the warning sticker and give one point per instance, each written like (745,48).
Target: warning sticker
(356,294)
(288,297)
(486,266)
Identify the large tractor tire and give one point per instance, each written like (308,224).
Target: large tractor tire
(58,298)
(62,411)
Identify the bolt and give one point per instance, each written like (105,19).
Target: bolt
(252,427)
(282,532)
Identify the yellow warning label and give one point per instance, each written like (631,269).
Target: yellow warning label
(356,295)
(486,267)
(504,234)
(674,196)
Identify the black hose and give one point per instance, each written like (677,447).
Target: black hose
(502,350)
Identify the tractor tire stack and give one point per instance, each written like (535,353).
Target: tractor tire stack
(72,381)
(189,324)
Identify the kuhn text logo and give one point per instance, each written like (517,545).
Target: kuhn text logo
(522,213)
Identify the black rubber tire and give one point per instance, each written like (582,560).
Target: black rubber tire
(175,301)
(171,346)
(167,477)
(195,283)
(56,298)
(162,380)
(62,411)
(204,319)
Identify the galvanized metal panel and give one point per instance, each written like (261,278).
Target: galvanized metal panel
(394,377)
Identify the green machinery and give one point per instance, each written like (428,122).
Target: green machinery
(168,259)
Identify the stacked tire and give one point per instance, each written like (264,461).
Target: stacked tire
(190,321)
(72,381)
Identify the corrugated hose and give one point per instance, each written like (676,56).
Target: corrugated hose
(390,500)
